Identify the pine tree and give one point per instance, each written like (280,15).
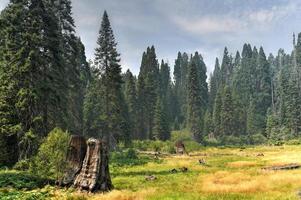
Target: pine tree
(161,124)
(107,60)
(262,90)
(74,63)
(214,84)
(31,38)
(226,68)
(216,116)
(194,99)
(149,79)
(227,113)
(131,101)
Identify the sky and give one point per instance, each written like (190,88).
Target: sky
(206,26)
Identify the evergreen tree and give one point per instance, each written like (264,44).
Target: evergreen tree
(216,116)
(214,84)
(226,68)
(194,99)
(131,101)
(107,60)
(227,113)
(161,124)
(34,72)
(149,74)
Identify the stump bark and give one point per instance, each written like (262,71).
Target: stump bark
(75,156)
(94,174)
(88,176)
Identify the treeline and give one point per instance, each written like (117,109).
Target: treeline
(250,98)
(46,82)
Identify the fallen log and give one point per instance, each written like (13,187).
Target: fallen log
(283,167)
(154,153)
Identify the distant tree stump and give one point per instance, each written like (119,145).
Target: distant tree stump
(75,156)
(180,147)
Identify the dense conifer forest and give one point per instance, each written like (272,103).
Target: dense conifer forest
(46,82)
(76,128)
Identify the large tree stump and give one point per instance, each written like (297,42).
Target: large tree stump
(94,174)
(87,179)
(75,156)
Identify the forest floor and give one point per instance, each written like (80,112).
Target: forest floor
(229,173)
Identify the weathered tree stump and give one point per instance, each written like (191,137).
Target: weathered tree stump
(180,147)
(75,156)
(88,177)
(94,174)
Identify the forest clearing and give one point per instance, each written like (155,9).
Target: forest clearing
(162,99)
(229,173)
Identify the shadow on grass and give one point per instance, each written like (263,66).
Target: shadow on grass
(147,172)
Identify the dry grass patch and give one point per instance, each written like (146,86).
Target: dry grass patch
(238,182)
(239,164)
(113,195)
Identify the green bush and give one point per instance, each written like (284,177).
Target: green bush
(22,165)
(211,142)
(22,180)
(183,135)
(119,159)
(131,154)
(293,142)
(258,139)
(51,158)
(278,136)
(231,140)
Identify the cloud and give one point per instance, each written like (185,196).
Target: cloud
(3,4)
(209,25)
(236,22)
(266,16)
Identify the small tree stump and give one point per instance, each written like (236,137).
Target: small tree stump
(150,178)
(180,147)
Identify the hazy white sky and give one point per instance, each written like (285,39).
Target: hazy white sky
(206,26)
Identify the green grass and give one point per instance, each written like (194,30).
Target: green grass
(230,174)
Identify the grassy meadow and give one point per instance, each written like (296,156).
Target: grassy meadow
(229,173)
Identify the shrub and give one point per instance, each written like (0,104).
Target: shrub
(51,158)
(119,159)
(257,139)
(131,154)
(231,140)
(22,165)
(293,142)
(21,180)
(183,135)
(211,142)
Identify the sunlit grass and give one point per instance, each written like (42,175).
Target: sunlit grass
(229,173)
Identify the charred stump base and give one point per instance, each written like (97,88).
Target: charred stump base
(93,173)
